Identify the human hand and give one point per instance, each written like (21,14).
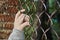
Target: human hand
(21,20)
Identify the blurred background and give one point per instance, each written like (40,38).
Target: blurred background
(44,18)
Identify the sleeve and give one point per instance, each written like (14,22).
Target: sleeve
(16,35)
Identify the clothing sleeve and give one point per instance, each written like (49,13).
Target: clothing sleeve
(16,35)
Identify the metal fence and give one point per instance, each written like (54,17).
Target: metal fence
(45,18)
(42,17)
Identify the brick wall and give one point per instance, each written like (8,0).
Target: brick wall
(8,9)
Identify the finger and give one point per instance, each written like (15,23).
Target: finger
(22,10)
(25,24)
(21,18)
(27,18)
(19,13)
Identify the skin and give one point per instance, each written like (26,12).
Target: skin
(21,20)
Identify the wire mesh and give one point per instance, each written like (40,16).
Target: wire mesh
(36,10)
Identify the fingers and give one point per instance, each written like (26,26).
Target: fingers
(22,10)
(25,24)
(19,13)
(27,18)
(24,18)
(21,18)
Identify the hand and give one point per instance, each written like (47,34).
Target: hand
(21,20)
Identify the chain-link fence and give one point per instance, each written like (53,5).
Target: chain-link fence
(44,17)
(48,13)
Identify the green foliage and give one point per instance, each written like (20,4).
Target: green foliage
(56,28)
(31,8)
(52,6)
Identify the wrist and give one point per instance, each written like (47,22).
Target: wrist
(20,29)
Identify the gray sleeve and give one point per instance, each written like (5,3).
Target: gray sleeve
(16,35)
